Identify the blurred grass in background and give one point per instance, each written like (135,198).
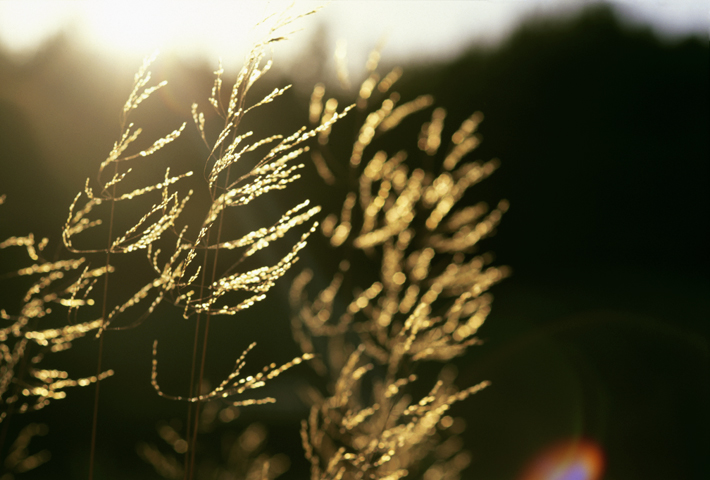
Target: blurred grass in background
(601,332)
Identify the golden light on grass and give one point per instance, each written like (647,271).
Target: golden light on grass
(423,298)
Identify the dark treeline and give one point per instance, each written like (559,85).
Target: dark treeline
(601,332)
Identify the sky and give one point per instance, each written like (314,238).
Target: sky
(212,29)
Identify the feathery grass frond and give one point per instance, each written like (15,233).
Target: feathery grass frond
(411,285)
(427,303)
(243,455)
(234,384)
(24,385)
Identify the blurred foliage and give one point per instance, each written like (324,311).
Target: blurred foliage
(602,330)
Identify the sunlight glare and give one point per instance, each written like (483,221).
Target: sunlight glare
(25,25)
(208,29)
(572,460)
(130,26)
(185,27)
(135,28)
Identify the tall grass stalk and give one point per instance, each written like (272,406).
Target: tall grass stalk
(408,291)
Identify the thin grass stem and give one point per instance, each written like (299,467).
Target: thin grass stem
(95,418)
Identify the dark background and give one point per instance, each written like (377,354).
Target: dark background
(601,332)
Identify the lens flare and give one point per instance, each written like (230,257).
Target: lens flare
(571,460)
